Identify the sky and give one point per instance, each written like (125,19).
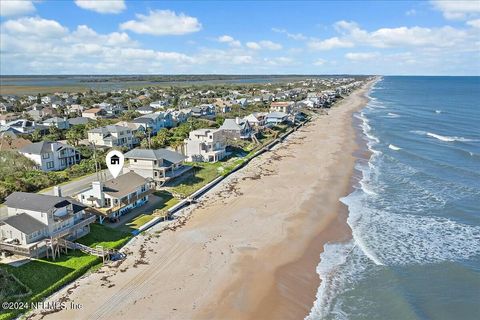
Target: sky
(239,37)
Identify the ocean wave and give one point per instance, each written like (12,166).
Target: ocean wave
(394,147)
(443,138)
(341,265)
(392,115)
(438,111)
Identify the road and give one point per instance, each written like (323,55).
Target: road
(73,187)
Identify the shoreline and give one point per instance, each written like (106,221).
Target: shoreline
(337,230)
(248,248)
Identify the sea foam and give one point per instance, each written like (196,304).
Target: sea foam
(394,147)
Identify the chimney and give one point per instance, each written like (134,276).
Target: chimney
(57,191)
(97,192)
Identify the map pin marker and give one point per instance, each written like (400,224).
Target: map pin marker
(115,160)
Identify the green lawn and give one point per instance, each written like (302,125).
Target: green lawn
(200,175)
(167,201)
(44,276)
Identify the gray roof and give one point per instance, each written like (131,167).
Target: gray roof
(78,120)
(24,223)
(53,120)
(231,124)
(145,109)
(109,129)
(165,154)
(42,147)
(123,185)
(38,202)
(276,114)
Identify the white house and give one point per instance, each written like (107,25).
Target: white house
(159,104)
(51,155)
(276,117)
(112,136)
(116,197)
(60,123)
(205,145)
(236,129)
(158,165)
(33,218)
(285,107)
(256,119)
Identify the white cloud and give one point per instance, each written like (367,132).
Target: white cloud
(230,40)
(102,6)
(294,36)
(162,22)
(16,7)
(319,62)
(253,45)
(352,34)
(328,44)
(361,56)
(264,44)
(474,23)
(279,61)
(457,10)
(411,12)
(34,26)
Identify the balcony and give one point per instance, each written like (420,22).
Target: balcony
(125,203)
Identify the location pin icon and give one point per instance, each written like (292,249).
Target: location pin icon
(115,160)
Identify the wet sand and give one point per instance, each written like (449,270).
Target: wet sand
(249,249)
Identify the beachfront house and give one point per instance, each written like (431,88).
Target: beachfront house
(33,218)
(159,165)
(284,106)
(51,155)
(205,145)
(112,136)
(256,119)
(236,129)
(275,118)
(116,197)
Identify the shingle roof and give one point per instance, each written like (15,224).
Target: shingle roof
(123,185)
(38,202)
(276,114)
(78,120)
(24,223)
(42,147)
(168,155)
(109,129)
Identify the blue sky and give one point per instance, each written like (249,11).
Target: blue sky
(243,37)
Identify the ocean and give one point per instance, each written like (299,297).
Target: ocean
(415,210)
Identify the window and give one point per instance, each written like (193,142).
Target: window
(155,162)
(134,160)
(46,156)
(49,164)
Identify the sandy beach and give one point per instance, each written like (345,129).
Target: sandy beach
(249,249)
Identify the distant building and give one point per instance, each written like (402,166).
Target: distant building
(50,155)
(60,123)
(94,113)
(276,117)
(112,136)
(285,107)
(236,129)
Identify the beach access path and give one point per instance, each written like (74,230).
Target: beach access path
(248,250)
